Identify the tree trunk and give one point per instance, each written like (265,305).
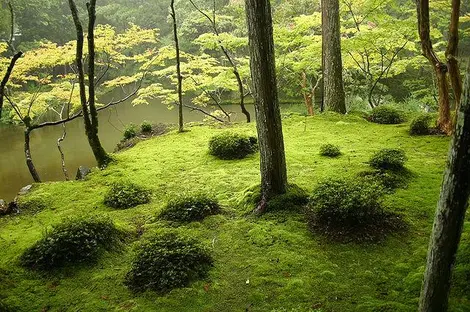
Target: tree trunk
(6,77)
(308,96)
(268,116)
(450,215)
(29,159)
(333,88)
(444,122)
(178,68)
(452,52)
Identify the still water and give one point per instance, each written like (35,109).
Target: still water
(14,173)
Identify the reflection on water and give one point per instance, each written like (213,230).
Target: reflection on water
(14,173)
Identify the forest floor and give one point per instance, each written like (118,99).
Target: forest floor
(267,263)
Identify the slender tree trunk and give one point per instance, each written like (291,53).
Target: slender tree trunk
(308,96)
(333,65)
(450,214)
(29,159)
(452,52)
(6,77)
(178,68)
(268,116)
(62,155)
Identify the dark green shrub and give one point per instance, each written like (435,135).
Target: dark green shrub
(168,261)
(232,145)
(390,180)
(350,210)
(294,199)
(124,195)
(386,115)
(72,242)
(421,125)
(388,159)
(6,308)
(189,208)
(330,150)
(130,132)
(146,127)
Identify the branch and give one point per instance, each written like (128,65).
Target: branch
(6,78)
(194,108)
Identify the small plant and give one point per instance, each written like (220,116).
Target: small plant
(330,150)
(130,132)
(190,208)
(168,261)
(421,125)
(350,210)
(386,115)
(124,195)
(294,199)
(146,127)
(388,159)
(72,242)
(232,145)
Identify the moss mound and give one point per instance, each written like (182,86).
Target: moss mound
(188,208)
(124,194)
(421,125)
(330,150)
(388,159)
(386,115)
(168,261)
(72,242)
(230,145)
(350,210)
(293,200)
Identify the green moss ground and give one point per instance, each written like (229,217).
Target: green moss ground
(270,263)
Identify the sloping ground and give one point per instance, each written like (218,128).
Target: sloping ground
(271,263)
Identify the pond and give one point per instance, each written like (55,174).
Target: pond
(14,173)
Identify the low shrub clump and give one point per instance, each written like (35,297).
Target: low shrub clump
(421,125)
(168,261)
(190,208)
(388,159)
(293,200)
(130,132)
(72,242)
(350,210)
(123,195)
(386,115)
(146,127)
(390,180)
(232,145)
(330,150)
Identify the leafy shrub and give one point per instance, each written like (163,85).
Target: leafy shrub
(146,127)
(390,180)
(330,150)
(388,159)
(421,125)
(232,145)
(292,200)
(350,210)
(124,195)
(190,208)
(130,132)
(168,261)
(386,115)
(72,242)
(6,308)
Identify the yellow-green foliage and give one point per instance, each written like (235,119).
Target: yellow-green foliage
(269,263)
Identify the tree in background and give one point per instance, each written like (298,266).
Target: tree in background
(268,116)
(333,88)
(179,87)
(450,214)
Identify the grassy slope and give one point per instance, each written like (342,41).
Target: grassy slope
(267,264)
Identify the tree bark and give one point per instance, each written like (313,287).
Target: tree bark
(268,116)
(450,214)
(178,68)
(333,88)
(29,159)
(452,52)
(308,95)
(90,113)
(3,83)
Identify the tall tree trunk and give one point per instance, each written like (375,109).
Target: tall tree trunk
(450,214)
(268,116)
(440,69)
(333,88)
(178,68)
(90,114)
(452,52)
(308,95)
(29,159)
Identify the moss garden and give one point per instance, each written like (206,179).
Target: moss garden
(351,234)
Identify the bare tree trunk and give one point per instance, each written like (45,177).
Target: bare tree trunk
(178,68)
(62,155)
(333,65)
(452,52)
(268,116)
(3,83)
(29,159)
(450,214)
(308,96)
(90,113)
